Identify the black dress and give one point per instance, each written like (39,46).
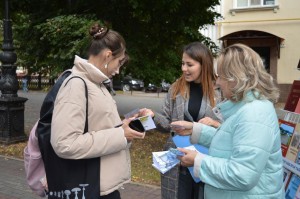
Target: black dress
(187,187)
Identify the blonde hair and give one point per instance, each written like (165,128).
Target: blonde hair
(240,64)
(200,53)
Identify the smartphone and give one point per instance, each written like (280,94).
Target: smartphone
(137,125)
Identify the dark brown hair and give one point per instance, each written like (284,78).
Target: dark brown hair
(103,38)
(125,60)
(200,53)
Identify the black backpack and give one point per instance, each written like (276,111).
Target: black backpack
(66,178)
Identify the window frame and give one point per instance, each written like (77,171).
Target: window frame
(262,5)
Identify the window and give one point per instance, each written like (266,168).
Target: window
(254,3)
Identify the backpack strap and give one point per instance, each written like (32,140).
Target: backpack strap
(86,127)
(48,103)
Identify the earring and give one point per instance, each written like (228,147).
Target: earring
(105,66)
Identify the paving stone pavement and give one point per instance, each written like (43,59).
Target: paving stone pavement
(13,184)
(12,175)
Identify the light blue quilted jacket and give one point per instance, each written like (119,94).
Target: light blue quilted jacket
(244,160)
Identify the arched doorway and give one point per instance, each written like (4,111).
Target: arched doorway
(265,44)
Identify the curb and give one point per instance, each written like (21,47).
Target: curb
(145,185)
(11,157)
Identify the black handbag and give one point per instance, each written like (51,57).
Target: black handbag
(66,178)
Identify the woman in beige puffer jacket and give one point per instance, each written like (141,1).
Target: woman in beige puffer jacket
(103,139)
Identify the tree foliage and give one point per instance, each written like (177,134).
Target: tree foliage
(155,31)
(56,42)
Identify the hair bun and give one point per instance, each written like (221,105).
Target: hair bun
(98,32)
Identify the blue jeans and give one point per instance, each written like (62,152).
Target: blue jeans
(24,86)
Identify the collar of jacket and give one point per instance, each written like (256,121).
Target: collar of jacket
(228,107)
(88,70)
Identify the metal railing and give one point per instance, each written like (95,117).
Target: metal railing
(36,82)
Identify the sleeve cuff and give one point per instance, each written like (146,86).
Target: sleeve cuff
(126,142)
(197,163)
(197,128)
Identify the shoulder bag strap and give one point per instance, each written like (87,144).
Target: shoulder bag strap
(86,127)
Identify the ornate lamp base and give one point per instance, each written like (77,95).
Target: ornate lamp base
(12,120)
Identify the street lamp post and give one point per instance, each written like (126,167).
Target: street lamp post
(11,106)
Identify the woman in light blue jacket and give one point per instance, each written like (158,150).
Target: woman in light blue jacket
(244,160)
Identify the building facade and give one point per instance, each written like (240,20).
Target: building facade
(271,28)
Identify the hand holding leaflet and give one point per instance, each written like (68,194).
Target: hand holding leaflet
(176,152)
(184,142)
(141,124)
(163,161)
(129,132)
(190,154)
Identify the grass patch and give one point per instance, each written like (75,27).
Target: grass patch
(141,156)
(13,150)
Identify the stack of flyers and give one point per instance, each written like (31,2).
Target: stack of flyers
(163,161)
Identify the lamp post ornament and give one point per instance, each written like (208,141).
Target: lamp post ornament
(11,106)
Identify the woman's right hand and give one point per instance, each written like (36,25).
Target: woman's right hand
(146,111)
(182,127)
(129,133)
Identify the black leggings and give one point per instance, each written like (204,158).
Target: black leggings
(113,195)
